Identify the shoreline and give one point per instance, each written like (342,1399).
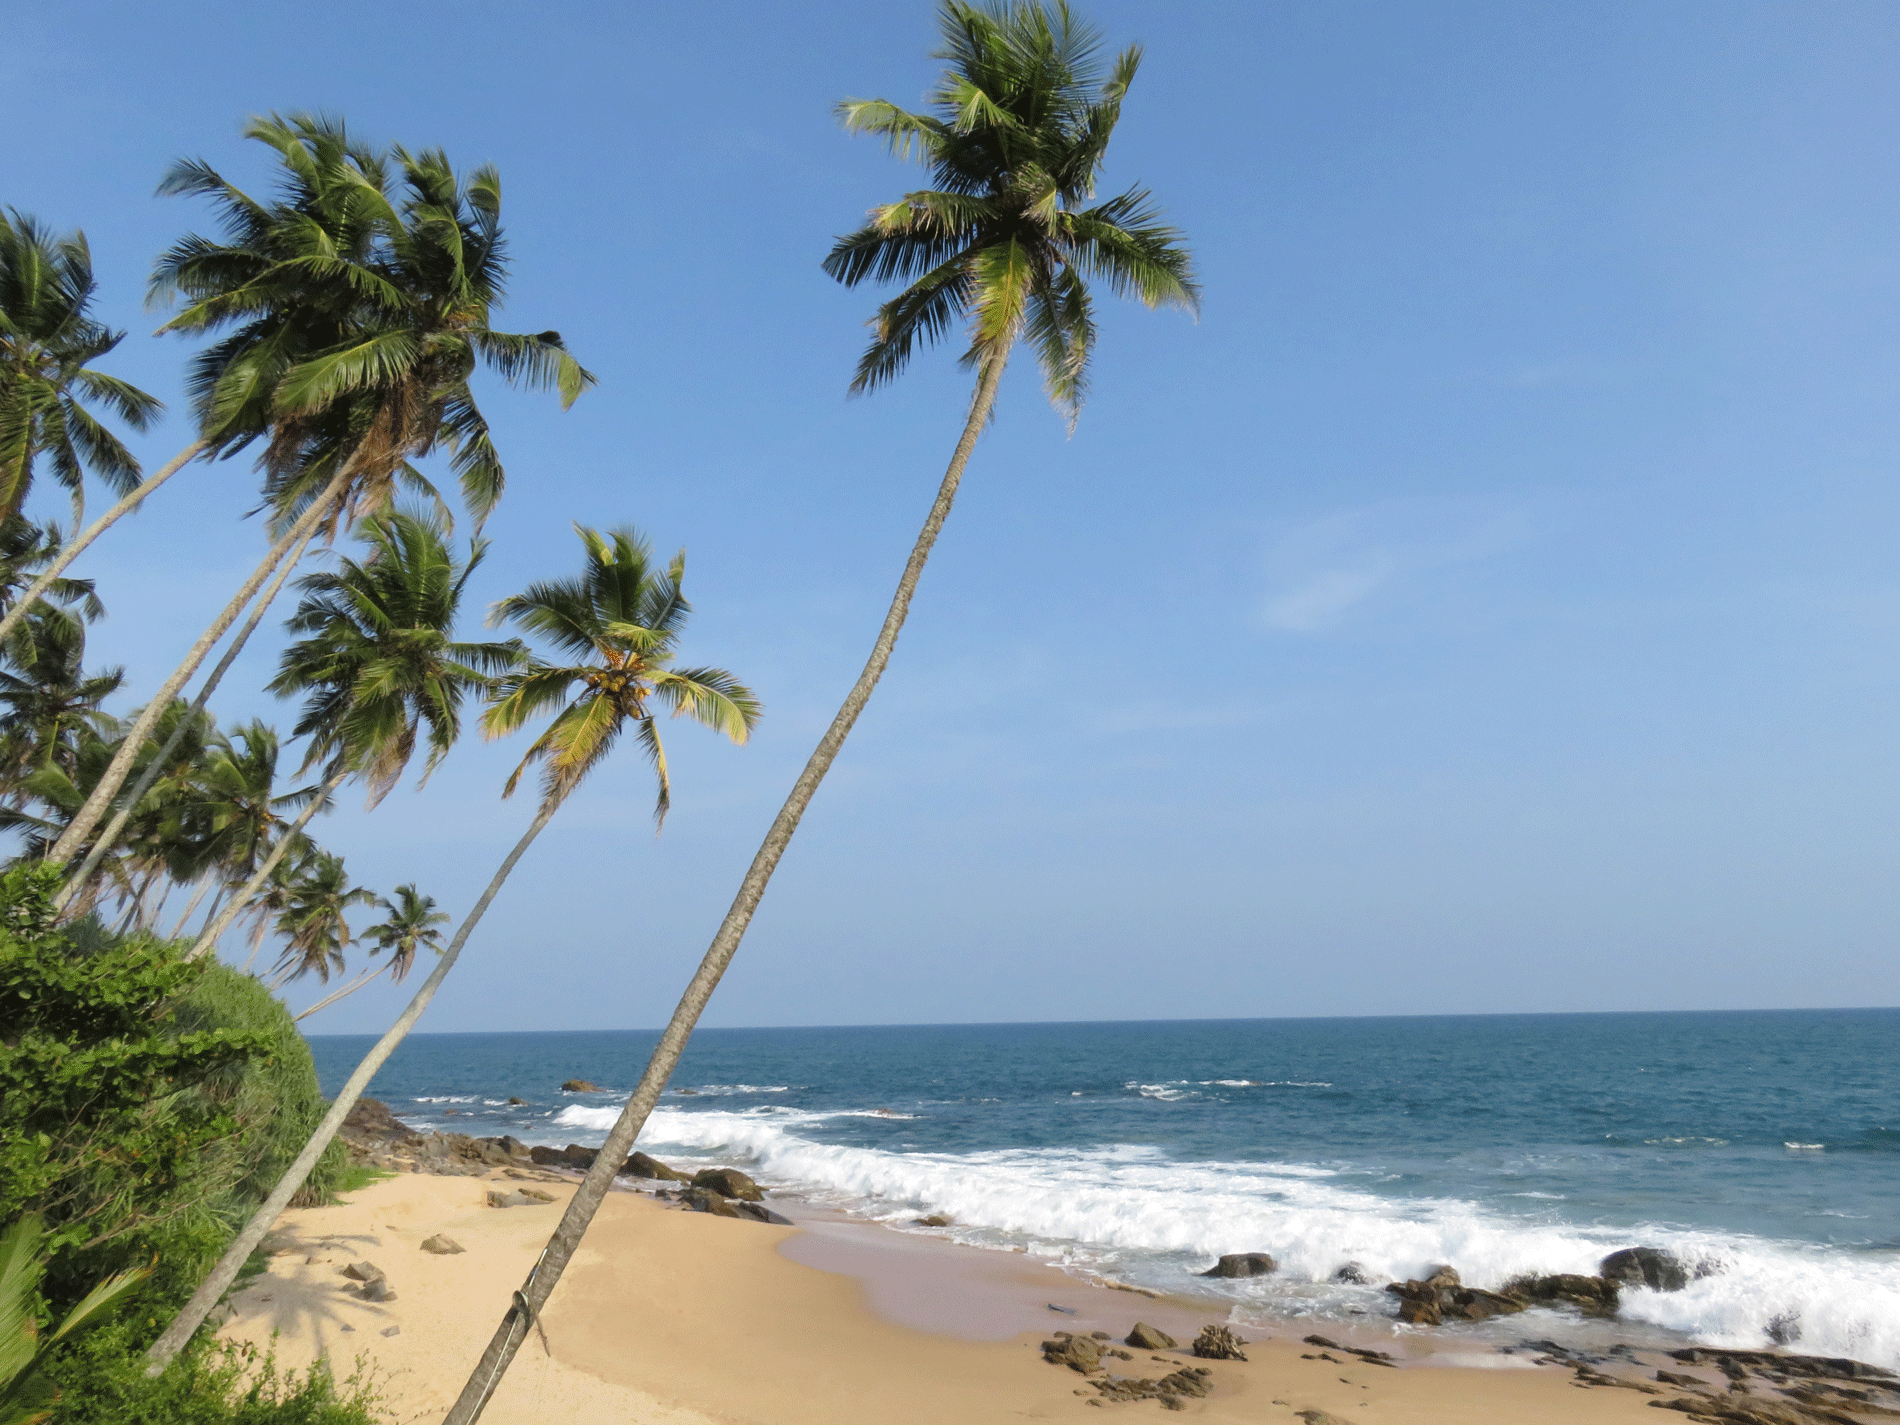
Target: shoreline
(682,1318)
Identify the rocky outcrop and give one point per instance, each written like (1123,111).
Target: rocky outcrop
(701,1199)
(641,1166)
(1593,1296)
(1241,1264)
(580,1086)
(1217,1343)
(1147,1338)
(728,1182)
(525,1197)
(1441,1296)
(371,1129)
(1170,1390)
(1079,1353)
(1647,1267)
(759,1212)
(442,1245)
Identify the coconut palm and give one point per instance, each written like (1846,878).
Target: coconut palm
(1003,243)
(618,625)
(25,551)
(48,698)
(47,347)
(360,305)
(313,925)
(411,925)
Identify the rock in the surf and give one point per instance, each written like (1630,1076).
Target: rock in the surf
(580,1086)
(1078,1353)
(517,1100)
(1443,1276)
(936,1219)
(442,1246)
(701,1199)
(1645,1266)
(728,1182)
(1352,1274)
(1593,1296)
(1217,1343)
(641,1166)
(1241,1264)
(1147,1338)
(759,1212)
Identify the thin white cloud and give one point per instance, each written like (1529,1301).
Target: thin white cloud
(1325,598)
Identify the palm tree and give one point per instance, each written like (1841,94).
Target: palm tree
(47,347)
(48,699)
(312,924)
(361,314)
(25,551)
(239,811)
(411,924)
(624,616)
(1004,242)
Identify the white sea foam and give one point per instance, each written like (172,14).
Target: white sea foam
(728,1090)
(1148,1218)
(453,1098)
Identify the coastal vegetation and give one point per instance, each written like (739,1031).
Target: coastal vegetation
(159,1106)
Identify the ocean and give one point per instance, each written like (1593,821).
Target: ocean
(1762,1147)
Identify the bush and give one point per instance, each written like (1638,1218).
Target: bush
(102,1382)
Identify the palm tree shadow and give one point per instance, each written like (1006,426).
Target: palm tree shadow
(304,1296)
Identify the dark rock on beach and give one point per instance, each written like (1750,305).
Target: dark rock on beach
(1241,1264)
(641,1166)
(758,1212)
(442,1246)
(1078,1353)
(1593,1296)
(371,1128)
(363,1272)
(936,1219)
(580,1086)
(1645,1266)
(1147,1338)
(728,1182)
(1217,1343)
(701,1199)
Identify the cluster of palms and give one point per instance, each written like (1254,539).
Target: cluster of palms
(344,317)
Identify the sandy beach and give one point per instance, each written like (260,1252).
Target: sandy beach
(676,1318)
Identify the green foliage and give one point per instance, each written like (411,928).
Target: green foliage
(103,1382)
(27,1393)
(98,1127)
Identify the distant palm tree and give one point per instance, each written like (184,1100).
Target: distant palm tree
(48,698)
(379,667)
(361,311)
(411,925)
(1003,242)
(47,347)
(240,811)
(313,925)
(619,624)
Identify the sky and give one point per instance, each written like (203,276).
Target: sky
(1491,603)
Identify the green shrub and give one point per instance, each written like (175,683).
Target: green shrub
(102,1382)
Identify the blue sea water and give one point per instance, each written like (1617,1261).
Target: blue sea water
(1761,1146)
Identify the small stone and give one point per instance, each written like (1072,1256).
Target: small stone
(1099,1335)
(1147,1338)
(392,1330)
(936,1219)
(363,1272)
(536,1194)
(1241,1264)
(378,1290)
(442,1246)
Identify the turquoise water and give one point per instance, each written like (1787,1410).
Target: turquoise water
(1763,1146)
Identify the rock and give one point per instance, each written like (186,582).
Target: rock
(1217,1343)
(936,1219)
(1420,1311)
(363,1272)
(535,1193)
(518,1199)
(1078,1353)
(701,1199)
(1470,1304)
(1241,1264)
(1593,1296)
(1828,1367)
(392,1330)
(641,1166)
(442,1246)
(1193,1381)
(1321,1417)
(1353,1274)
(517,1100)
(728,1182)
(1645,1266)
(1100,1336)
(371,1129)
(580,1086)
(758,1212)
(378,1290)
(1146,1338)
(1442,1277)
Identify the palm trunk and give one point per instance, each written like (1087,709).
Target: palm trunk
(115,828)
(102,795)
(546,1273)
(336,995)
(214,1286)
(98,527)
(207,940)
(204,884)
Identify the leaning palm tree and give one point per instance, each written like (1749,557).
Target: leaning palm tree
(47,347)
(1004,242)
(410,925)
(361,313)
(618,626)
(313,925)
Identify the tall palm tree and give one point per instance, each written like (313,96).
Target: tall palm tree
(47,347)
(623,618)
(313,925)
(1003,242)
(241,810)
(410,925)
(361,305)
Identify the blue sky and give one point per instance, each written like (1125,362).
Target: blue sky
(1490,604)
